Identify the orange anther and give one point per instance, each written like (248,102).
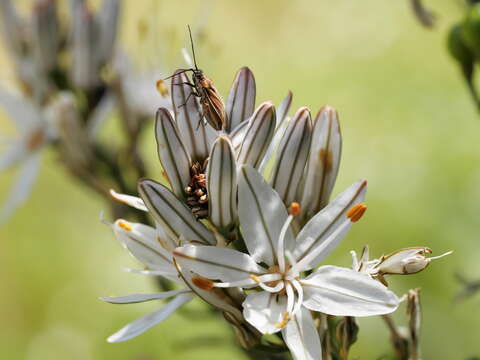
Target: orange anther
(294,209)
(202,283)
(125,226)
(356,212)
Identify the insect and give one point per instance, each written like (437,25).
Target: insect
(212,105)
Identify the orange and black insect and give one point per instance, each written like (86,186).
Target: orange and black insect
(212,105)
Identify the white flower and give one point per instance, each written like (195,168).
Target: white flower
(286,297)
(141,241)
(138,87)
(34,132)
(153,248)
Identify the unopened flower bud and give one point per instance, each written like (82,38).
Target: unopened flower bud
(406,261)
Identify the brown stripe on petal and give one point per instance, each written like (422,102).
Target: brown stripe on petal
(35,140)
(326,157)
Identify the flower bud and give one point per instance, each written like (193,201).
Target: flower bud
(406,261)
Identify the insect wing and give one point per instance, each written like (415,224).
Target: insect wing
(213,108)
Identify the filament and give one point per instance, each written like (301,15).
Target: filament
(272,289)
(299,290)
(290,297)
(252,280)
(440,256)
(281,244)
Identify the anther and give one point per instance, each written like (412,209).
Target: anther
(255,278)
(294,209)
(284,322)
(162,88)
(199,192)
(356,212)
(203,283)
(125,226)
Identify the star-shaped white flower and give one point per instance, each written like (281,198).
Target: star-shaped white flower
(277,261)
(153,247)
(34,132)
(142,243)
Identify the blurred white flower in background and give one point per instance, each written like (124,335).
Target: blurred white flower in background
(23,150)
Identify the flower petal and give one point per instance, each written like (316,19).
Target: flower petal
(217,263)
(262,215)
(85,36)
(130,200)
(283,109)
(14,153)
(175,217)
(138,298)
(292,156)
(189,118)
(344,292)
(219,298)
(237,134)
(322,167)
(141,241)
(318,229)
(22,112)
(258,135)
(282,123)
(302,337)
(222,184)
(141,325)
(172,152)
(265,311)
(107,21)
(12,28)
(22,187)
(241,100)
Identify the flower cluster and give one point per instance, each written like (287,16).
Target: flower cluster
(69,77)
(244,218)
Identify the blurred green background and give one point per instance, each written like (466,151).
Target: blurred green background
(408,126)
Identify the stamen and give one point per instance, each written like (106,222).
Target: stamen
(290,258)
(281,244)
(355,265)
(252,280)
(256,278)
(284,322)
(294,209)
(299,290)
(125,226)
(440,256)
(290,297)
(272,289)
(203,283)
(356,212)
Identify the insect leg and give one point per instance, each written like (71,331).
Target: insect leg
(188,97)
(185,83)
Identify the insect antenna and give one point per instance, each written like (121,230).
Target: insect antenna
(193,49)
(178,73)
